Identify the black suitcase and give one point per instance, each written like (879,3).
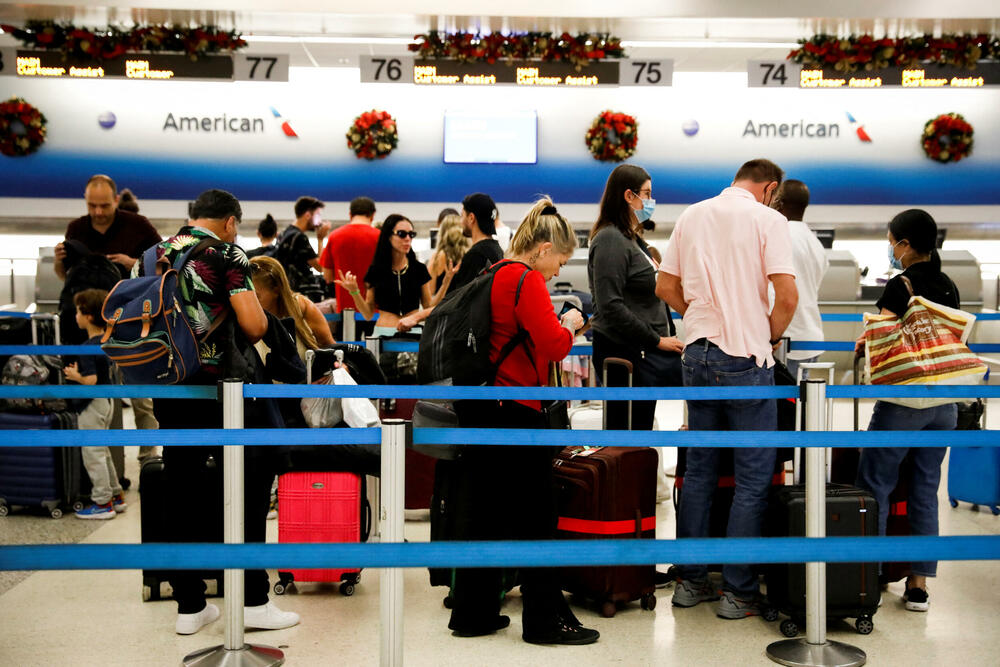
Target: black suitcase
(155,522)
(852,589)
(46,477)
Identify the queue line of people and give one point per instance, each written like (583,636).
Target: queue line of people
(724,255)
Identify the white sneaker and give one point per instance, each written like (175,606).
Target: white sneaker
(268,617)
(188,624)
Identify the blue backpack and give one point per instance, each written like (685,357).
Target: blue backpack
(148,336)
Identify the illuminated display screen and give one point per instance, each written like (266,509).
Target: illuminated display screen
(928,76)
(150,67)
(484,137)
(518,73)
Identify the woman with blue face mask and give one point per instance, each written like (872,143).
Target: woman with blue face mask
(629,320)
(912,242)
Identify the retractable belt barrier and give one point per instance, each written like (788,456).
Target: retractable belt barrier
(391,553)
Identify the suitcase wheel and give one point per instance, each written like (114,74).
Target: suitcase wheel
(4,509)
(447,602)
(864,625)
(770,614)
(995,510)
(56,513)
(284,581)
(279,588)
(609,609)
(789,628)
(648,602)
(347,588)
(77,506)
(954,503)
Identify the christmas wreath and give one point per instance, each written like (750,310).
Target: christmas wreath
(113,42)
(947,138)
(22,128)
(612,136)
(580,49)
(372,135)
(857,52)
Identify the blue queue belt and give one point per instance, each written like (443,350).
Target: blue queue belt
(498,554)
(491,436)
(506,393)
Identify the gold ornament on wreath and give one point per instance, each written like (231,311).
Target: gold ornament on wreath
(22,128)
(612,136)
(947,138)
(373,135)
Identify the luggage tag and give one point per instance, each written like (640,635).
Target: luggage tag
(583,450)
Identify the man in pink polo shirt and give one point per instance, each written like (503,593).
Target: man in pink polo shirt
(715,272)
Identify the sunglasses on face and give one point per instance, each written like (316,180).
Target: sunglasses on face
(403,234)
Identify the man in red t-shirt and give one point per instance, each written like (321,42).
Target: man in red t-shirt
(351,248)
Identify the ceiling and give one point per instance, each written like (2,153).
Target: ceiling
(699,35)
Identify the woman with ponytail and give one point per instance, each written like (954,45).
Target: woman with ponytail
(507,490)
(912,242)
(276,297)
(630,321)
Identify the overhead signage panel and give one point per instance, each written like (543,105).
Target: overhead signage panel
(145,66)
(784,74)
(528,73)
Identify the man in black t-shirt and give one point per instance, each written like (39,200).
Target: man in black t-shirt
(479,215)
(295,252)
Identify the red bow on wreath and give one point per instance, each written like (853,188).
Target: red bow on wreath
(373,135)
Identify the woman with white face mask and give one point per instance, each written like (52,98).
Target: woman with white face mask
(629,320)
(912,241)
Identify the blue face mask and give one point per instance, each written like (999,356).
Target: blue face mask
(893,262)
(646,212)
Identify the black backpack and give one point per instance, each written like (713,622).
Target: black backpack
(300,279)
(455,343)
(91,271)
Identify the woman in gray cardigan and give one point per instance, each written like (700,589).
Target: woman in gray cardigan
(629,320)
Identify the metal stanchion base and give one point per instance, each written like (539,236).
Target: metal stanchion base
(251,655)
(800,653)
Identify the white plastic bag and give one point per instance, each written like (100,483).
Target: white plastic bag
(321,411)
(358,412)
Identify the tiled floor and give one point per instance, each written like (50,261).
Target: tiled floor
(83,618)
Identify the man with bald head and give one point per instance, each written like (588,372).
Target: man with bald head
(118,235)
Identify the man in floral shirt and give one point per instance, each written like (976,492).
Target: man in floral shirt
(223,310)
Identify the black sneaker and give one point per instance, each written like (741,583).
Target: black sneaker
(562,634)
(662,579)
(916,599)
(499,623)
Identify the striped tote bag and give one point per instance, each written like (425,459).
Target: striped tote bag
(925,346)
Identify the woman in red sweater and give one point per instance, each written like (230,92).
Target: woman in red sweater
(508,489)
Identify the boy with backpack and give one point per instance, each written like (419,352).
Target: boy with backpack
(107,494)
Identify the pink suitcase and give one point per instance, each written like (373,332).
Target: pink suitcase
(320,507)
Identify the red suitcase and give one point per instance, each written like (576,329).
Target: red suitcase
(602,493)
(320,507)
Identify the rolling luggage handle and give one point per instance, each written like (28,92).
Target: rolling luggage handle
(815,650)
(625,363)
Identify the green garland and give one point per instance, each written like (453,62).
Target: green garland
(580,49)
(113,42)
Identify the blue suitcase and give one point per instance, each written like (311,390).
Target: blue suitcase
(974,477)
(47,477)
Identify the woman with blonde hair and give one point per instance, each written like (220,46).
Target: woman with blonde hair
(276,297)
(451,247)
(508,489)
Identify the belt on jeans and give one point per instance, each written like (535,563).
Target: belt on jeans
(704,342)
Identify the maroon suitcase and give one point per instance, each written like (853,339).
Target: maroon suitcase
(602,493)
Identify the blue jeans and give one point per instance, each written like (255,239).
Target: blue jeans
(878,470)
(704,364)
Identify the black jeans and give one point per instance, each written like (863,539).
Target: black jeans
(194,484)
(507,493)
(651,368)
